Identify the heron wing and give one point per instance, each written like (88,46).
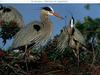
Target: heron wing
(32,33)
(78,36)
(63,40)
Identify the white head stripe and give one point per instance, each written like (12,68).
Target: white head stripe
(51,9)
(72,23)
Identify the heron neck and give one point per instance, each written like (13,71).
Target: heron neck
(44,18)
(46,21)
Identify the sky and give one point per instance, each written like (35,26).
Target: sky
(31,12)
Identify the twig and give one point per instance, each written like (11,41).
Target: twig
(52,72)
(78,56)
(91,31)
(11,68)
(14,69)
(94,56)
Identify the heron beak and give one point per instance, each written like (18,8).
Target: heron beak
(57,15)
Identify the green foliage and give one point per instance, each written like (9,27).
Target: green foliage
(87,6)
(97,48)
(90,27)
(8,30)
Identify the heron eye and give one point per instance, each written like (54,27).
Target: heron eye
(37,27)
(6,10)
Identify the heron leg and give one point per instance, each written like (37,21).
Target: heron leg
(75,53)
(26,58)
(78,55)
(25,49)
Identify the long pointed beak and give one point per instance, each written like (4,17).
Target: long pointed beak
(57,15)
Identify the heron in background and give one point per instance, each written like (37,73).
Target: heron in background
(76,39)
(8,13)
(71,37)
(37,33)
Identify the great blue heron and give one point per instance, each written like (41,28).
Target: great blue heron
(36,33)
(76,39)
(71,37)
(8,13)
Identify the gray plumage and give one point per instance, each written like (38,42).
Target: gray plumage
(69,37)
(29,35)
(8,13)
(62,40)
(37,32)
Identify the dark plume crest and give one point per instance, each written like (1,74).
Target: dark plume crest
(47,8)
(5,9)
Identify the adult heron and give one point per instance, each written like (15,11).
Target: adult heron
(76,39)
(71,37)
(37,33)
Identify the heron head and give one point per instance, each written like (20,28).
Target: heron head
(72,22)
(49,11)
(4,9)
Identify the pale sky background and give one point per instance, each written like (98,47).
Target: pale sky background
(31,12)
